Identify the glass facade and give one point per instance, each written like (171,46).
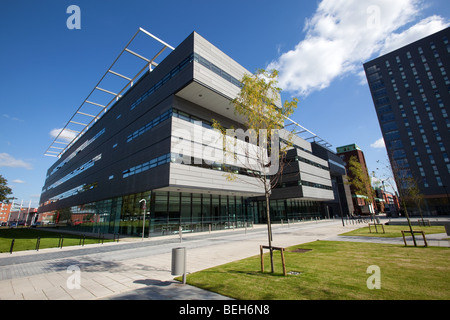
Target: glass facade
(288,209)
(167,211)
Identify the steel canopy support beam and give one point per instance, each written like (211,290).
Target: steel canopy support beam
(119,75)
(107,91)
(86,114)
(81,124)
(149,63)
(95,104)
(303,130)
(137,55)
(157,39)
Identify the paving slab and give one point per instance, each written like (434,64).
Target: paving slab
(136,269)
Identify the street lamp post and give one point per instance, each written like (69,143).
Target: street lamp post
(339,198)
(143,223)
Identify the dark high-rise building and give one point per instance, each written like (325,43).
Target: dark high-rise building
(410,89)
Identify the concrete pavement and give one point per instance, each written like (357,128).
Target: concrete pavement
(135,269)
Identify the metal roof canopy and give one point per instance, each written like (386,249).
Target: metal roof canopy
(307,134)
(87,114)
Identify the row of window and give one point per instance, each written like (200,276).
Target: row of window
(192,161)
(307,161)
(387,118)
(216,70)
(187,160)
(77,151)
(294,145)
(304,183)
(193,119)
(160,83)
(193,57)
(160,118)
(158,161)
(164,116)
(72,192)
(74,173)
(377,84)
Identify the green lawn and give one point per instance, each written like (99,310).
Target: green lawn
(25,239)
(392,231)
(335,270)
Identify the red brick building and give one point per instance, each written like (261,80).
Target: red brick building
(362,205)
(5,210)
(14,212)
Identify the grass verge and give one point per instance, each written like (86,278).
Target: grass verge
(334,270)
(392,231)
(25,239)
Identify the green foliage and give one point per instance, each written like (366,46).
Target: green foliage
(5,191)
(359,178)
(257,103)
(258,99)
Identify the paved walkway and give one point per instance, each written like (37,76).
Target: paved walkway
(135,269)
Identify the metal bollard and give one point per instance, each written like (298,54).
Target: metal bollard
(38,242)
(179,262)
(61,242)
(12,246)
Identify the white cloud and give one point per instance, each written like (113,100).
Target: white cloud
(65,134)
(378,144)
(342,34)
(418,31)
(6,160)
(7,116)
(18,181)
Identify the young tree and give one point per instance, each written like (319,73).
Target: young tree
(415,195)
(5,191)
(407,186)
(257,104)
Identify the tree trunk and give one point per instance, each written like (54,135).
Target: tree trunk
(409,224)
(269,230)
(420,211)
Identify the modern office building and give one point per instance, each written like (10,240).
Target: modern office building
(342,204)
(410,89)
(155,143)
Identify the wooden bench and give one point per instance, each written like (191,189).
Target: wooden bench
(261,248)
(375,225)
(414,232)
(423,222)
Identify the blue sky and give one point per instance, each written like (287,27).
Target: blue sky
(47,70)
